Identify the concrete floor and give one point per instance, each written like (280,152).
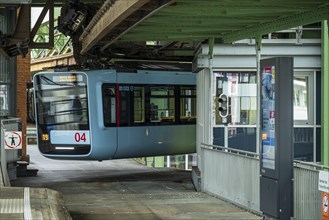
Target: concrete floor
(124,189)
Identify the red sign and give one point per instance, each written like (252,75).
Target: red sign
(13,140)
(325,206)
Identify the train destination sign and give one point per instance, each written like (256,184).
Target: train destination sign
(76,137)
(68,78)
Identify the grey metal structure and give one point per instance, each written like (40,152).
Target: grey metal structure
(222,178)
(276,162)
(7,69)
(231,174)
(9,157)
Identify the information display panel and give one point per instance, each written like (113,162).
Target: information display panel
(268,117)
(276,134)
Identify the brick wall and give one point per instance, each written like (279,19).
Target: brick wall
(23,75)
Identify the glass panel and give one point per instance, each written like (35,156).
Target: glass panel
(188,105)
(62,104)
(125,104)
(139,104)
(218,137)
(318,97)
(162,104)
(192,160)
(318,144)
(242,138)
(241,90)
(4,108)
(109,105)
(301,98)
(178,162)
(303,144)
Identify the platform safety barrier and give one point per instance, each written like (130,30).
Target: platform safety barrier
(8,158)
(233,175)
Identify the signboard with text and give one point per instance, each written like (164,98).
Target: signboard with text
(75,137)
(324,181)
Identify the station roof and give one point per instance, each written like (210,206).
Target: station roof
(121,27)
(230,20)
(195,20)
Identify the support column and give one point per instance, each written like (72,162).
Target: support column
(325,95)
(258,47)
(23,75)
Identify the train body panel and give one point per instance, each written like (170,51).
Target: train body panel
(104,143)
(120,115)
(156,141)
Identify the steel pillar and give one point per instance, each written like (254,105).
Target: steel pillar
(325,95)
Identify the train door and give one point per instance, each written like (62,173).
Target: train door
(108,137)
(131,137)
(125,104)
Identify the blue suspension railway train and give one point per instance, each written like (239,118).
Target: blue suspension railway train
(105,114)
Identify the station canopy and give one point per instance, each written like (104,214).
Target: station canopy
(173,28)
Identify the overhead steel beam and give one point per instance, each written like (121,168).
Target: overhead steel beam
(307,17)
(111,18)
(61,1)
(49,6)
(15,1)
(17,43)
(150,9)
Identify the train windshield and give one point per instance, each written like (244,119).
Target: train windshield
(62,113)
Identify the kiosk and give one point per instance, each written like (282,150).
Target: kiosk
(276,162)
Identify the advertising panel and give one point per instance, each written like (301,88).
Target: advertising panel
(268,117)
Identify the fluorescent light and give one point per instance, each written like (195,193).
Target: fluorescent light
(64,148)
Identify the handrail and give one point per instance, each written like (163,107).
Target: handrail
(311,164)
(247,153)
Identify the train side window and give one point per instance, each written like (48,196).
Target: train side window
(187,104)
(162,104)
(139,102)
(125,104)
(109,105)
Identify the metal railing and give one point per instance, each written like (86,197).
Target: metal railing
(307,197)
(233,175)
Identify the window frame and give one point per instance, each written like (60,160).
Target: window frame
(310,98)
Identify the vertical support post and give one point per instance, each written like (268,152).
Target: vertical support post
(325,95)
(211,48)
(211,89)
(258,48)
(3,158)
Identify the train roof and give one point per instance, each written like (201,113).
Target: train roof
(131,66)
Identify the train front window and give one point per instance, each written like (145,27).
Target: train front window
(62,109)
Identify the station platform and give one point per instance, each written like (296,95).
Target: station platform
(122,189)
(31,203)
